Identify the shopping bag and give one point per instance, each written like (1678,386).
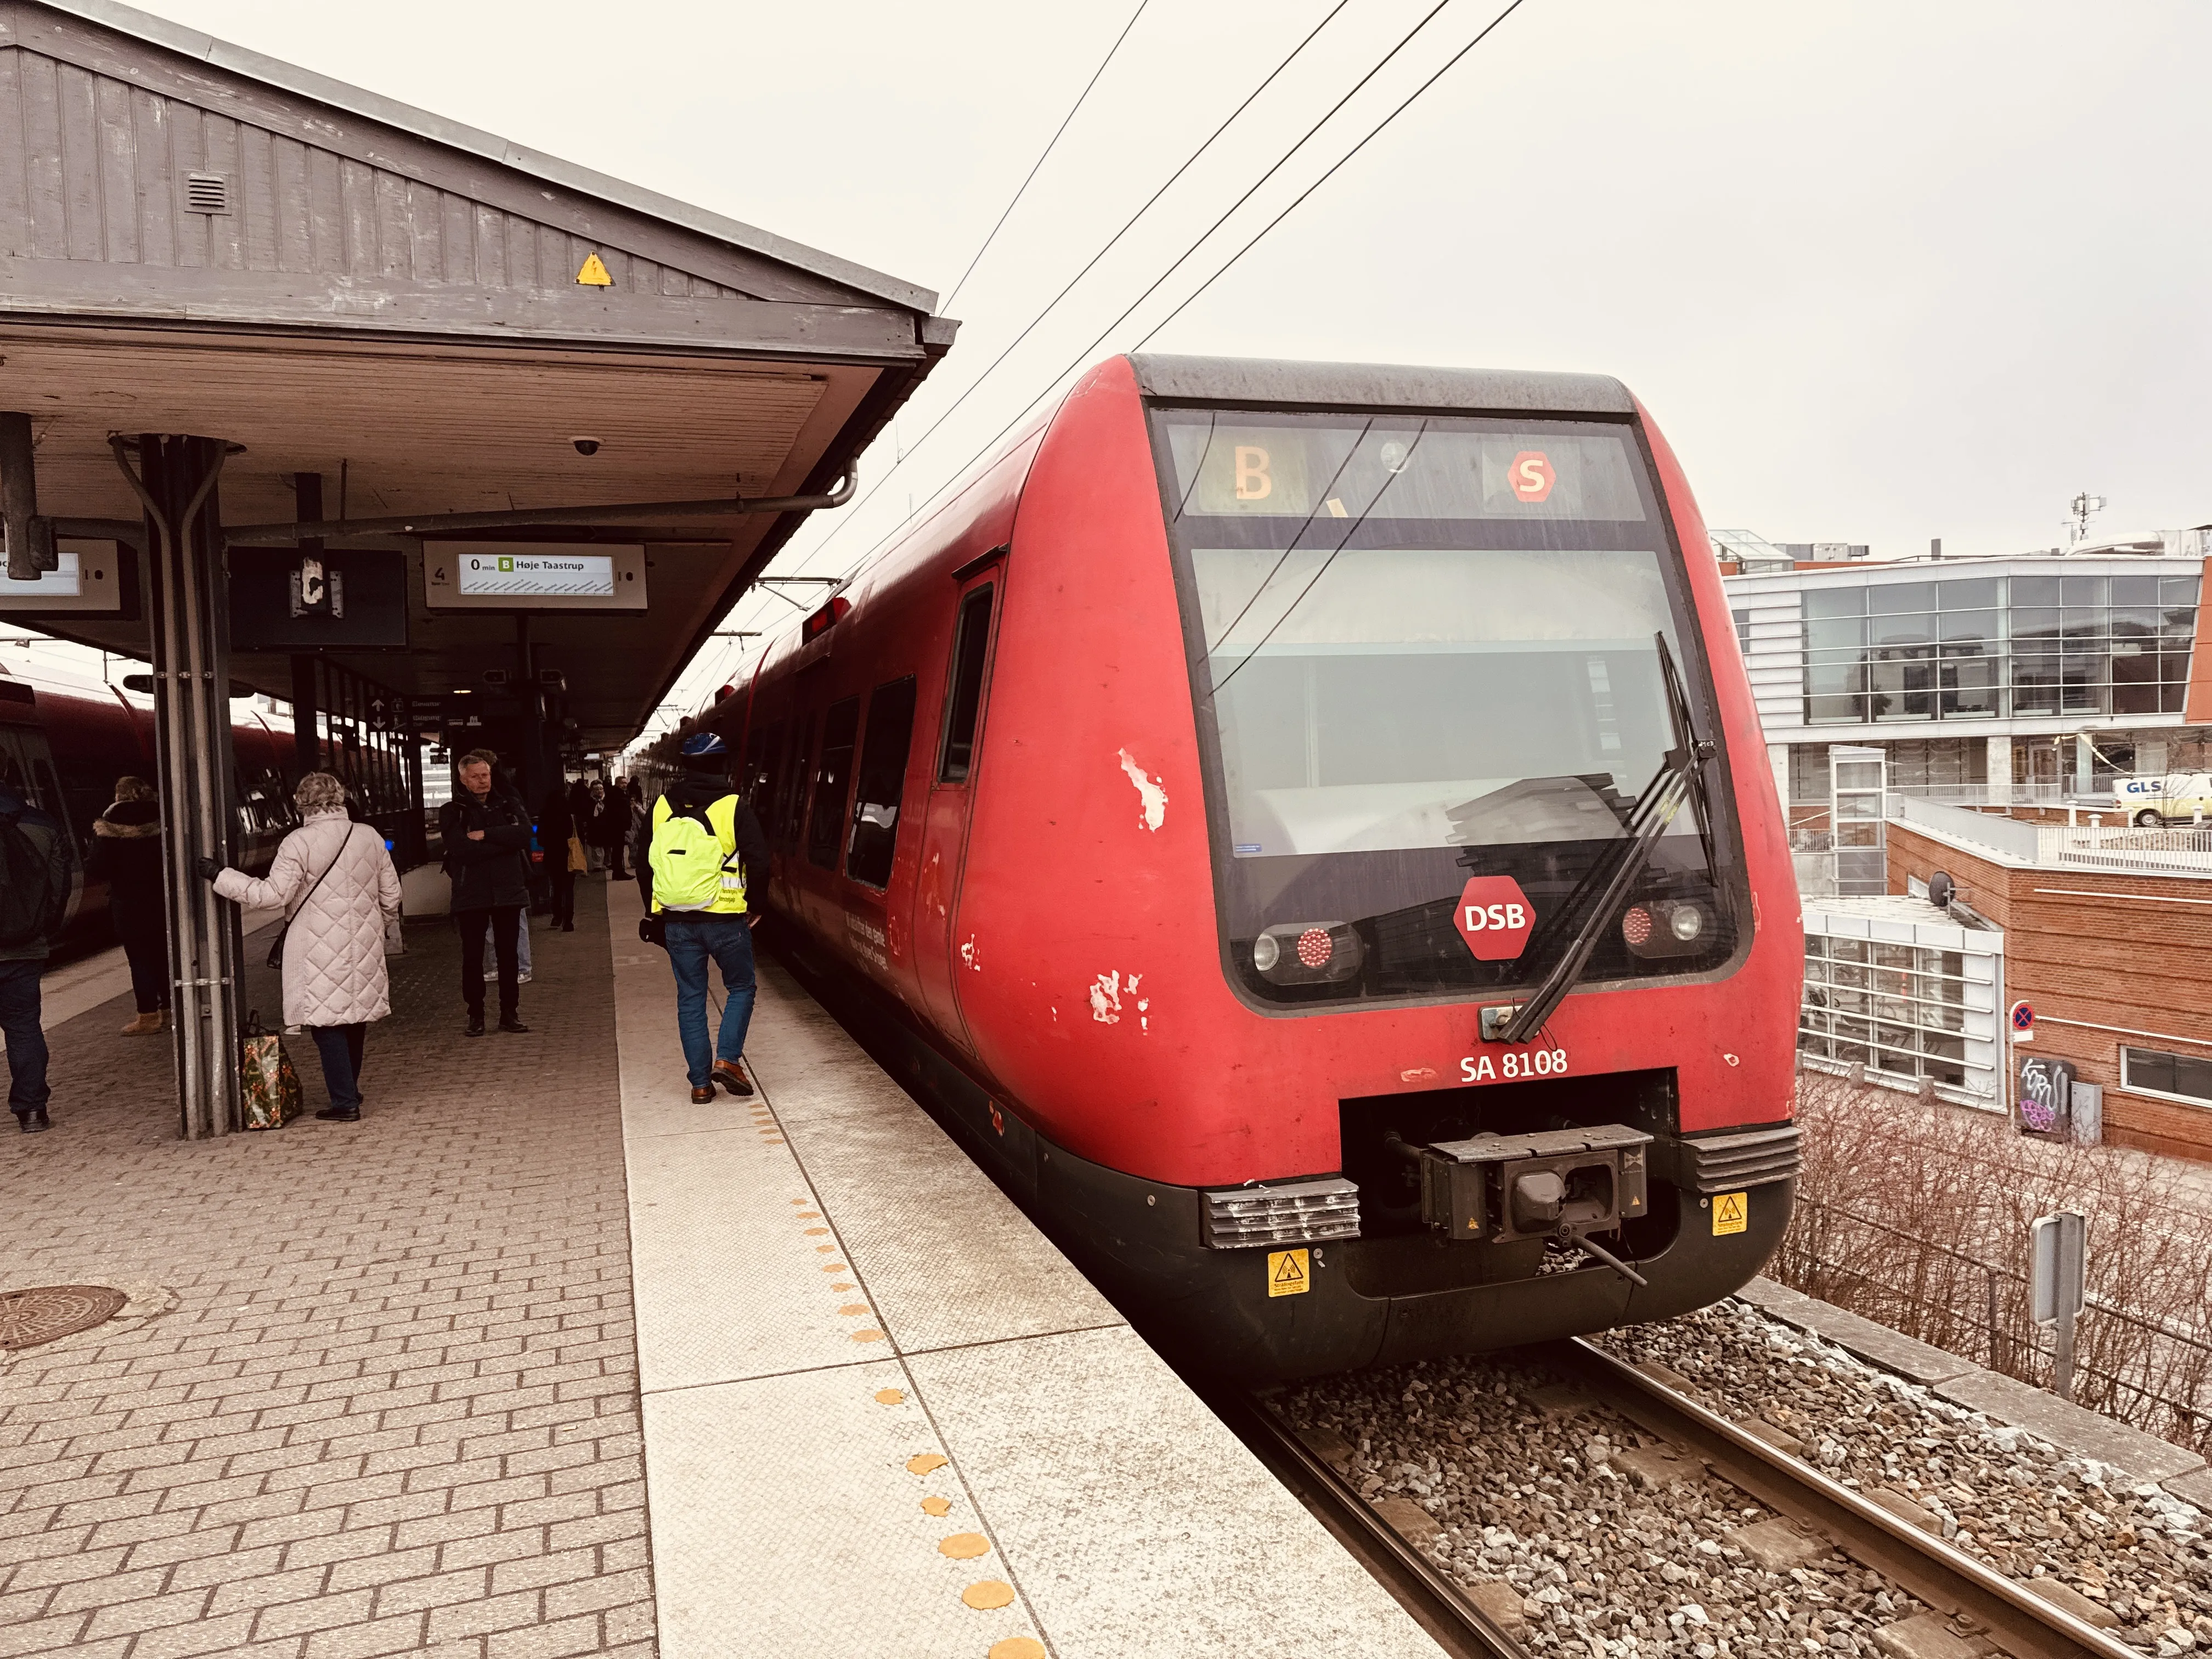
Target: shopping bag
(270,1086)
(580,862)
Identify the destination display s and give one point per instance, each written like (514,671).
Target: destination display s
(537,575)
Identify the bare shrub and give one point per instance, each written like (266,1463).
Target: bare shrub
(1916,1214)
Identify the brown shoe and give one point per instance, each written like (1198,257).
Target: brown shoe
(731,1076)
(147,1024)
(701,1097)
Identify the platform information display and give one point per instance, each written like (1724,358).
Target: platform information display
(538,575)
(533,576)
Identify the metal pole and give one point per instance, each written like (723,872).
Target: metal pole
(30,539)
(192,638)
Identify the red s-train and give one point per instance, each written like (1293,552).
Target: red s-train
(1211,806)
(65,741)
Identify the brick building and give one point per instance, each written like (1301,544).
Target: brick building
(2106,933)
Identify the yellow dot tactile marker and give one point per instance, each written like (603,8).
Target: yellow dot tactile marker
(841,1287)
(890,1396)
(809,1215)
(853,1308)
(1017,1647)
(867,1336)
(835,1267)
(936,1505)
(964,1545)
(816,1232)
(988,1593)
(923,1462)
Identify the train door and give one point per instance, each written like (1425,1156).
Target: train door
(941,956)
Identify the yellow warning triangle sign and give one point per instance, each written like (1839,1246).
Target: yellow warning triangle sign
(594,273)
(1288,1268)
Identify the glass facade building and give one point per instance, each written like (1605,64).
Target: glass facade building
(1997,647)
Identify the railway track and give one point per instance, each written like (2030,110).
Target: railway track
(1975,1610)
(1438,1604)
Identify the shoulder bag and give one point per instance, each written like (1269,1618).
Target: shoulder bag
(276,945)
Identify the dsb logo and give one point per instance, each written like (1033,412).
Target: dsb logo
(1494,917)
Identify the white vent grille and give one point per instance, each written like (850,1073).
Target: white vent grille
(1295,1212)
(207,192)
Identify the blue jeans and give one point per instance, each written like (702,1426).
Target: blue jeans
(729,941)
(340,1047)
(27,1042)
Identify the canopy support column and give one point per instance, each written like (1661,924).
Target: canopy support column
(188,594)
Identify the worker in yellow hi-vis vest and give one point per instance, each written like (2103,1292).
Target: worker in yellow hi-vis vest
(699,853)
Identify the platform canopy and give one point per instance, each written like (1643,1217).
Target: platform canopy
(423,319)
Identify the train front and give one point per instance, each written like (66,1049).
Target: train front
(1503,950)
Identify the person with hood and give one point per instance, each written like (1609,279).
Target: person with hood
(700,853)
(339,892)
(486,830)
(127,853)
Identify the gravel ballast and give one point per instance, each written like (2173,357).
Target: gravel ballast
(1613,1555)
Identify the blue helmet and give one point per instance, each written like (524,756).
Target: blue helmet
(705,747)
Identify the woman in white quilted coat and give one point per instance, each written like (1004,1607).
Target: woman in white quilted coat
(336,882)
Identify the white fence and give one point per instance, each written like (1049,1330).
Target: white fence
(2075,846)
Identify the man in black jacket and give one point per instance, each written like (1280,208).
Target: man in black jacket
(37,863)
(486,830)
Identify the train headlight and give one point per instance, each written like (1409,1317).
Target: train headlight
(1293,1212)
(1308,952)
(1667,927)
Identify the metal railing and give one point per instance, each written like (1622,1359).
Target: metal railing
(2148,1372)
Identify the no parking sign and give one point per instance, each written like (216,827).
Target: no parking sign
(2022,1019)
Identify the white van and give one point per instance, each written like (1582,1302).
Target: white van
(2174,798)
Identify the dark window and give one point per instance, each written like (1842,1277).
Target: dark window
(764,762)
(2167,1074)
(969,653)
(790,811)
(882,781)
(833,777)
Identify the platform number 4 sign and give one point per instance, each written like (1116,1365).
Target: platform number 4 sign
(1288,1273)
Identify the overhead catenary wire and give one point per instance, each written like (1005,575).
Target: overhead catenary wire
(1083,356)
(1077,361)
(1089,266)
(1045,155)
(901,451)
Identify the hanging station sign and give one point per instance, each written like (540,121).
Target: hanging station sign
(533,576)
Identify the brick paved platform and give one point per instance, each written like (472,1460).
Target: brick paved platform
(376,1390)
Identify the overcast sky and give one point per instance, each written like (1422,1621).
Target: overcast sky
(1881,271)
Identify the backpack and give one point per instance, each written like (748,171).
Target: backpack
(690,866)
(33,888)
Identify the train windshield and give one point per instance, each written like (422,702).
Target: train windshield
(1430,649)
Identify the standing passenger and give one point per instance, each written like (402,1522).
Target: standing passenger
(127,852)
(486,830)
(339,892)
(36,864)
(556,823)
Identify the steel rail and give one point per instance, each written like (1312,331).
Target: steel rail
(1440,1606)
(1948,1579)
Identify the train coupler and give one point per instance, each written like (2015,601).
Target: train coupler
(1556,1184)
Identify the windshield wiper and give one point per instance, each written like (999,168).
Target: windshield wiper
(1681,778)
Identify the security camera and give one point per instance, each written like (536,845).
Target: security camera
(586,446)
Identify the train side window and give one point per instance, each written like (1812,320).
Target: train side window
(49,787)
(763,760)
(792,813)
(833,777)
(971,652)
(882,781)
